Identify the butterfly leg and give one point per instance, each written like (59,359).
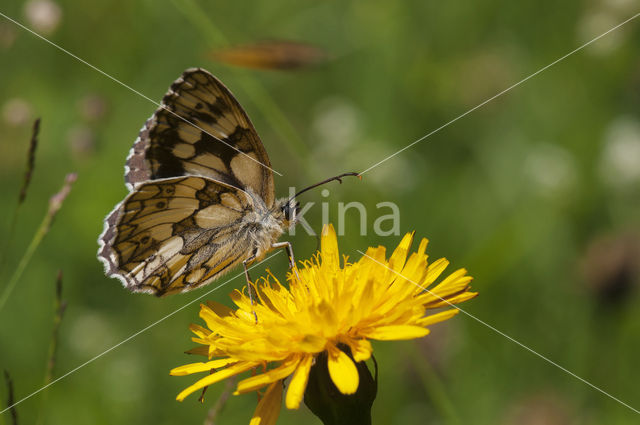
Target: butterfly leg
(292,261)
(246,271)
(250,287)
(289,248)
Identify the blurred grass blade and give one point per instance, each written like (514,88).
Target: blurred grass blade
(31,159)
(59,309)
(55,203)
(10,398)
(434,388)
(216,409)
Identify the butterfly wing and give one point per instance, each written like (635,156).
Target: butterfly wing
(176,234)
(201,129)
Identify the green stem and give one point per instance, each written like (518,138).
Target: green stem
(55,203)
(9,238)
(194,13)
(216,409)
(28,173)
(434,387)
(35,242)
(13,413)
(59,308)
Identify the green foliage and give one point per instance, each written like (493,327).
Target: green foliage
(515,192)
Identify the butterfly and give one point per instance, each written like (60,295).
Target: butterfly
(271,54)
(201,194)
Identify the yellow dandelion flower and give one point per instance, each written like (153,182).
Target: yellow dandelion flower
(327,308)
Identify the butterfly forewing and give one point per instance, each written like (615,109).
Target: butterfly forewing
(200,129)
(175,234)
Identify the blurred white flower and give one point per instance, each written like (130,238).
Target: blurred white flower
(43,15)
(620,6)
(336,124)
(594,23)
(551,168)
(17,112)
(620,161)
(544,408)
(483,74)
(81,141)
(124,380)
(90,334)
(392,175)
(599,18)
(92,107)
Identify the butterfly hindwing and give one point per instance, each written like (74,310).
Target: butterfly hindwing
(200,129)
(175,234)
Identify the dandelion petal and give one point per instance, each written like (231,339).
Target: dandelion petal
(329,247)
(360,349)
(387,333)
(399,256)
(298,383)
(215,377)
(438,317)
(259,381)
(268,409)
(343,372)
(188,369)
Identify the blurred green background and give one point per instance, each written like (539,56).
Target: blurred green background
(537,193)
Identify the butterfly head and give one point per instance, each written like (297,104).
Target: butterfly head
(288,210)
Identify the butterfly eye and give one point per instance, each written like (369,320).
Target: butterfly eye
(286,210)
(291,211)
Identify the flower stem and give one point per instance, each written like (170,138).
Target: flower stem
(28,173)
(434,387)
(216,409)
(55,203)
(37,238)
(10,398)
(59,308)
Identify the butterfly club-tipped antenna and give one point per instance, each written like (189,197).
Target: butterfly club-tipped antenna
(292,210)
(338,178)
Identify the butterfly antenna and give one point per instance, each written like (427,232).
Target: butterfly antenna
(338,178)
